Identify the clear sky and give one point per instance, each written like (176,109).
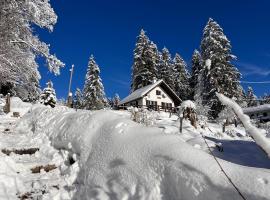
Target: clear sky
(108,30)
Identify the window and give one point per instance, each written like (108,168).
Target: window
(158,92)
(163,105)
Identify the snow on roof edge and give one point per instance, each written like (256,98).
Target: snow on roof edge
(259,108)
(140,92)
(143,91)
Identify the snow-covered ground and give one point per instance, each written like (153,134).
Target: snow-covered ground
(105,155)
(16,178)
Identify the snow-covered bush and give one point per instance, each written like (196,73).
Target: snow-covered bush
(188,111)
(142,115)
(226,115)
(48,96)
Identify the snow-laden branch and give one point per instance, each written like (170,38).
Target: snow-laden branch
(258,135)
(54,64)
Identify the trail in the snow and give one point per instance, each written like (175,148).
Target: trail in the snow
(16,178)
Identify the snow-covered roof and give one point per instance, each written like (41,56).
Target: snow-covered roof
(255,109)
(144,90)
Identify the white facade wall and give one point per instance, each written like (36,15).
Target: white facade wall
(151,96)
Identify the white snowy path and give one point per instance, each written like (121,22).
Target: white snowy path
(16,179)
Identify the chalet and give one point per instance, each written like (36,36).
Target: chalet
(157,96)
(260,112)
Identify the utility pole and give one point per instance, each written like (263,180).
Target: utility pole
(69,100)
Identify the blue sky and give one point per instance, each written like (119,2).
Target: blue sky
(108,30)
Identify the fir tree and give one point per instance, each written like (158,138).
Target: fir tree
(266,99)
(78,101)
(116,100)
(180,78)
(145,61)
(251,97)
(219,74)
(166,68)
(93,92)
(48,96)
(195,71)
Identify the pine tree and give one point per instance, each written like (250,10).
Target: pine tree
(266,98)
(145,61)
(20,46)
(48,96)
(78,101)
(195,71)
(219,74)
(93,92)
(251,97)
(116,100)
(166,68)
(180,78)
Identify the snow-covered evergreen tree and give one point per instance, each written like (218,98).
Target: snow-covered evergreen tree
(219,74)
(20,46)
(78,101)
(48,96)
(180,78)
(93,92)
(195,71)
(116,100)
(266,98)
(166,69)
(251,97)
(145,61)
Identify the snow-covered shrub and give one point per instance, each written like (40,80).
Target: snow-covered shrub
(142,115)
(48,96)
(226,116)
(188,111)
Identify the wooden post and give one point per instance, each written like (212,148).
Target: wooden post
(7,106)
(69,99)
(235,122)
(224,127)
(181,124)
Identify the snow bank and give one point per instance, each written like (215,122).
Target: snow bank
(120,159)
(258,135)
(17,105)
(9,181)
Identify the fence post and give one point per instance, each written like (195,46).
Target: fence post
(7,106)
(181,123)
(235,122)
(223,128)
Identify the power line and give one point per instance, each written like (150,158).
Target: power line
(256,82)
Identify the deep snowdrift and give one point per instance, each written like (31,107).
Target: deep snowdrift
(120,159)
